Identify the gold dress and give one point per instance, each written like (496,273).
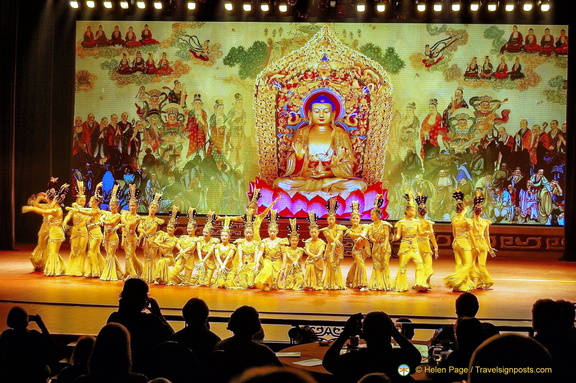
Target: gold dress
(334,253)
(165,243)
(130,223)
(245,274)
(55,265)
(379,235)
(408,229)
(78,243)
(293,275)
(267,278)
(461,279)
(225,253)
(206,252)
(40,252)
(186,260)
(480,232)
(112,270)
(148,230)
(425,249)
(314,264)
(94,263)
(357,278)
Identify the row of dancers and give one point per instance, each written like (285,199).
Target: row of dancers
(252,262)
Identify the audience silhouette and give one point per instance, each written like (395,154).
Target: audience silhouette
(79,360)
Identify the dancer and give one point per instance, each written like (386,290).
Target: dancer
(426,238)
(270,255)
(40,252)
(78,234)
(481,234)
(293,277)
(185,260)
(462,245)
(356,278)
(252,210)
(130,221)
(52,213)
(247,247)
(94,263)
(379,235)
(147,230)
(314,249)
(334,253)
(224,253)
(165,242)
(205,248)
(407,231)
(111,222)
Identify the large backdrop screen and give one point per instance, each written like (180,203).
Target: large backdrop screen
(200,111)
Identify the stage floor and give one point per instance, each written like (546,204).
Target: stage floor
(518,283)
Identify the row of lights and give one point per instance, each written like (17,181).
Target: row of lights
(381,5)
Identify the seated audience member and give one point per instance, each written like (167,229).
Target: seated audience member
(78,361)
(378,356)
(375,377)
(175,362)
(469,335)
(547,322)
(24,353)
(567,317)
(407,331)
(146,329)
(493,361)
(111,359)
(159,380)
(239,352)
(273,375)
(196,335)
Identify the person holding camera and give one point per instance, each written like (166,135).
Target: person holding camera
(377,329)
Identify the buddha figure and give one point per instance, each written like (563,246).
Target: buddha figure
(320,157)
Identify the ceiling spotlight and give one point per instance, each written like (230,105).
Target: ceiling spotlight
(509,7)
(74,4)
(191,5)
(228,6)
(438,6)
(158,5)
(456,6)
(124,4)
(283,7)
(247,7)
(108,4)
(421,6)
(91,4)
(492,6)
(527,7)
(544,5)
(381,7)
(140,4)
(361,7)
(264,7)
(474,6)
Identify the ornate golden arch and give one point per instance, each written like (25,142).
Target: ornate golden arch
(323,62)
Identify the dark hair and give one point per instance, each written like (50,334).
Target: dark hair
(469,334)
(546,316)
(83,350)
(112,355)
(195,311)
(134,295)
(459,206)
(244,321)
(377,326)
(17,318)
(467,305)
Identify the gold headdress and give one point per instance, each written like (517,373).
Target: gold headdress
(293,228)
(156,200)
(273,219)
(355,208)
(226,225)
(133,193)
(98,192)
(332,206)
(312,220)
(192,216)
(114,194)
(378,202)
(478,199)
(174,216)
(80,189)
(409,199)
(254,196)
(248,220)
(210,218)
(458,195)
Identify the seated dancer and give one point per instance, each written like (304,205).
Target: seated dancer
(357,278)
(52,213)
(78,234)
(379,235)
(425,238)
(407,231)
(165,242)
(247,247)
(293,277)
(147,36)
(185,261)
(111,222)
(205,248)
(314,249)
(481,234)
(130,221)
(224,255)
(334,253)
(531,42)
(270,254)
(462,245)
(147,230)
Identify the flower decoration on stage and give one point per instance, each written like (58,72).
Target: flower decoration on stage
(210,219)
(192,217)
(293,228)
(312,220)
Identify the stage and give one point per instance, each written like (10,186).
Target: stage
(518,283)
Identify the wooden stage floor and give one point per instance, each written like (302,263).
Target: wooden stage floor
(518,283)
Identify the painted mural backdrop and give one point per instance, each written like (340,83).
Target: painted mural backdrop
(171,107)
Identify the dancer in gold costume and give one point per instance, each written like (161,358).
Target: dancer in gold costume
(52,215)
(379,235)
(293,277)
(224,255)
(111,222)
(481,234)
(314,248)
(78,234)
(95,262)
(130,220)
(147,230)
(407,231)
(270,255)
(165,242)
(357,278)
(40,252)
(334,253)
(248,248)
(462,245)
(187,254)
(426,239)
(205,248)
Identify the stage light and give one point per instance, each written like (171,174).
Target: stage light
(264,6)
(544,5)
(421,6)
(74,4)
(474,6)
(456,6)
(438,6)
(158,5)
(90,4)
(247,7)
(141,4)
(492,6)
(228,6)
(283,7)
(509,7)
(361,7)
(108,4)
(124,5)
(527,7)
(191,5)
(381,7)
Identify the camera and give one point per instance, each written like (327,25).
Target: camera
(32,318)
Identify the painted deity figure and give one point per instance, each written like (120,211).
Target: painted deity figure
(78,235)
(219,133)
(481,233)
(462,245)
(197,126)
(514,43)
(357,277)
(426,240)
(379,236)
(248,248)
(407,231)
(314,248)
(205,248)
(147,230)
(320,157)
(111,222)
(433,131)
(236,119)
(130,221)
(334,253)
(225,253)
(291,266)
(186,259)
(270,257)
(166,242)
